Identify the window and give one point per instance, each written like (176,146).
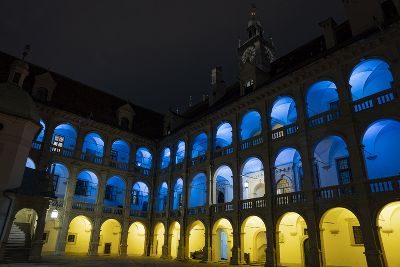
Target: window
(305,231)
(357,235)
(110,193)
(343,169)
(249,86)
(283,186)
(71,238)
(124,123)
(16,78)
(81,188)
(58,143)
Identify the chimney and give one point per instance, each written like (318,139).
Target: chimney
(328,29)
(363,14)
(217,85)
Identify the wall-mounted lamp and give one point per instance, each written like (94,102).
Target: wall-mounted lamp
(54,214)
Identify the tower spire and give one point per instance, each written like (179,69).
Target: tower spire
(254,25)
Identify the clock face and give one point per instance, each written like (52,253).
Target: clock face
(249,54)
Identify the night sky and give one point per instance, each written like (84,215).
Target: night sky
(154,53)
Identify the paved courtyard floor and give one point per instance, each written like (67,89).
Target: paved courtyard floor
(108,261)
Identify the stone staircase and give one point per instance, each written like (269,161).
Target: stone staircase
(18,244)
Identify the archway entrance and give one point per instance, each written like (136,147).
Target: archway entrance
(222,240)
(110,237)
(388,222)
(253,240)
(292,236)
(174,237)
(158,241)
(341,239)
(136,239)
(78,237)
(196,240)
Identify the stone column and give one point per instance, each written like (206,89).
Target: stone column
(207,246)
(181,247)
(123,247)
(37,242)
(165,248)
(94,238)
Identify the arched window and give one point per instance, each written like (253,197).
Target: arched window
(321,97)
(165,158)
(253,184)
(223,185)
(331,162)
(40,136)
(283,112)
(381,145)
(162,198)
(143,158)
(199,145)
(93,145)
(223,137)
(30,164)
(115,192)
(64,136)
(60,175)
(369,77)
(140,196)
(198,191)
(288,171)
(86,187)
(120,151)
(180,152)
(178,194)
(250,126)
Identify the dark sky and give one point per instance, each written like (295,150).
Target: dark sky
(154,53)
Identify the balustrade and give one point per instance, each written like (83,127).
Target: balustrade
(138,213)
(372,101)
(255,141)
(37,145)
(222,207)
(62,151)
(290,198)
(118,164)
(285,131)
(253,203)
(197,211)
(91,158)
(335,192)
(223,152)
(198,160)
(384,185)
(323,118)
(113,210)
(83,206)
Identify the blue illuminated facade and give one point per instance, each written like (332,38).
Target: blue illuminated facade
(199,145)
(198,191)
(223,137)
(250,126)
(144,158)
(321,97)
(283,112)
(165,158)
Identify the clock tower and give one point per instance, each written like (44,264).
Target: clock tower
(255,55)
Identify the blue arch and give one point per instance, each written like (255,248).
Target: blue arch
(180,152)
(250,126)
(252,179)
(40,136)
(199,145)
(223,185)
(322,96)
(327,153)
(30,164)
(369,77)
(165,158)
(143,158)
(223,137)
(381,143)
(178,191)
(68,134)
(86,187)
(61,176)
(115,192)
(198,191)
(288,166)
(162,198)
(120,151)
(93,144)
(140,196)
(283,112)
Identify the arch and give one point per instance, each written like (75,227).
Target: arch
(331,162)
(40,136)
(60,177)
(223,185)
(369,77)
(173,239)
(120,151)
(288,171)
(251,125)
(252,179)
(178,194)
(254,239)
(388,222)
(143,158)
(158,239)
(199,145)
(180,152)
(222,241)
(196,240)
(93,145)
(140,196)
(86,187)
(223,136)
(165,158)
(381,143)
(23,229)
(341,239)
(136,239)
(110,237)
(321,96)
(162,198)
(30,164)
(64,136)
(292,232)
(79,231)
(283,112)
(198,190)
(115,192)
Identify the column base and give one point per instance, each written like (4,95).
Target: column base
(123,250)
(36,250)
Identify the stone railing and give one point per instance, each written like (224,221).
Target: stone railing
(255,141)
(119,165)
(113,210)
(197,211)
(253,203)
(138,213)
(83,206)
(223,151)
(384,185)
(374,100)
(161,214)
(335,192)
(222,207)
(37,145)
(91,158)
(198,160)
(62,151)
(142,171)
(285,131)
(57,203)
(175,213)
(323,118)
(290,198)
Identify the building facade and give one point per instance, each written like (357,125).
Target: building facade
(294,165)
